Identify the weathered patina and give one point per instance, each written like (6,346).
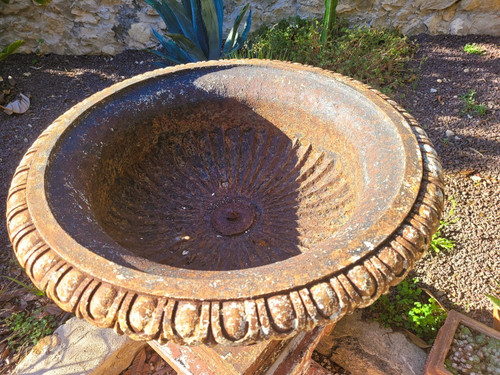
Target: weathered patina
(225,202)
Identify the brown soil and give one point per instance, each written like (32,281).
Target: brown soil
(468,145)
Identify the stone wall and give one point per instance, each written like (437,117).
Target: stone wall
(109,26)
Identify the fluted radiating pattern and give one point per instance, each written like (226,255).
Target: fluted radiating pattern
(164,208)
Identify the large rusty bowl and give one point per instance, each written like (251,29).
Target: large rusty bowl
(225,202)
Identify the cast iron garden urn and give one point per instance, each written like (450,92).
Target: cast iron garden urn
(225,202)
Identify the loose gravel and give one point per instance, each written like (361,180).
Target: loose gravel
(469,148)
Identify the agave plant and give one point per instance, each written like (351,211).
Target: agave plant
(194,30)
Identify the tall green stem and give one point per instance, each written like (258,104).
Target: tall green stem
(329,19)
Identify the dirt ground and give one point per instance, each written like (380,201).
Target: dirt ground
(468,144)
(469,147)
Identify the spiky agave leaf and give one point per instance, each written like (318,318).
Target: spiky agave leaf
(166,15)
(199,26)
(246,29)
(187,45)
(210,20)
(232,38)
(195,29)
(175,18)
(175,54)
(219,7)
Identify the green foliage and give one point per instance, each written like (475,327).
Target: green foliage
(409,308)
(494,300)
(10,49)
(374,56)
(329,19)
(473,49)
(26,329)
(471,105)
(195,30)
(438,242)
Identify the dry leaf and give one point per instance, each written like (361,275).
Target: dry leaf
(476,151)
(137,364)
(53,309)
(5,297)
(28,297)
(416,340)
(17,106)
(4,350)
(432,296)
(468,172)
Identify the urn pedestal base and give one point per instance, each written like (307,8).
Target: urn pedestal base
(276,357)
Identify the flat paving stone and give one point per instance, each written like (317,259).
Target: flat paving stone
(79,348)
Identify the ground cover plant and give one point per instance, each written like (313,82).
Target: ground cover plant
(471,105)
(473,49)
(409,307)
(26,328)
(439,242)
(375,56)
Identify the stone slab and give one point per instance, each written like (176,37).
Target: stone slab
(79,348)
(365,347)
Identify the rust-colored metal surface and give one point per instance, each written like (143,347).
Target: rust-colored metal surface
(225,202)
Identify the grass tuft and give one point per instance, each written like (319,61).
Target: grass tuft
(375,56)
(471,105)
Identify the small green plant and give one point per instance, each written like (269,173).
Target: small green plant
(375,56)
(10,49)
(195,30)
(471,104)
(495,299)
(438,242)
(473,49)
(26,329)
(410,308)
